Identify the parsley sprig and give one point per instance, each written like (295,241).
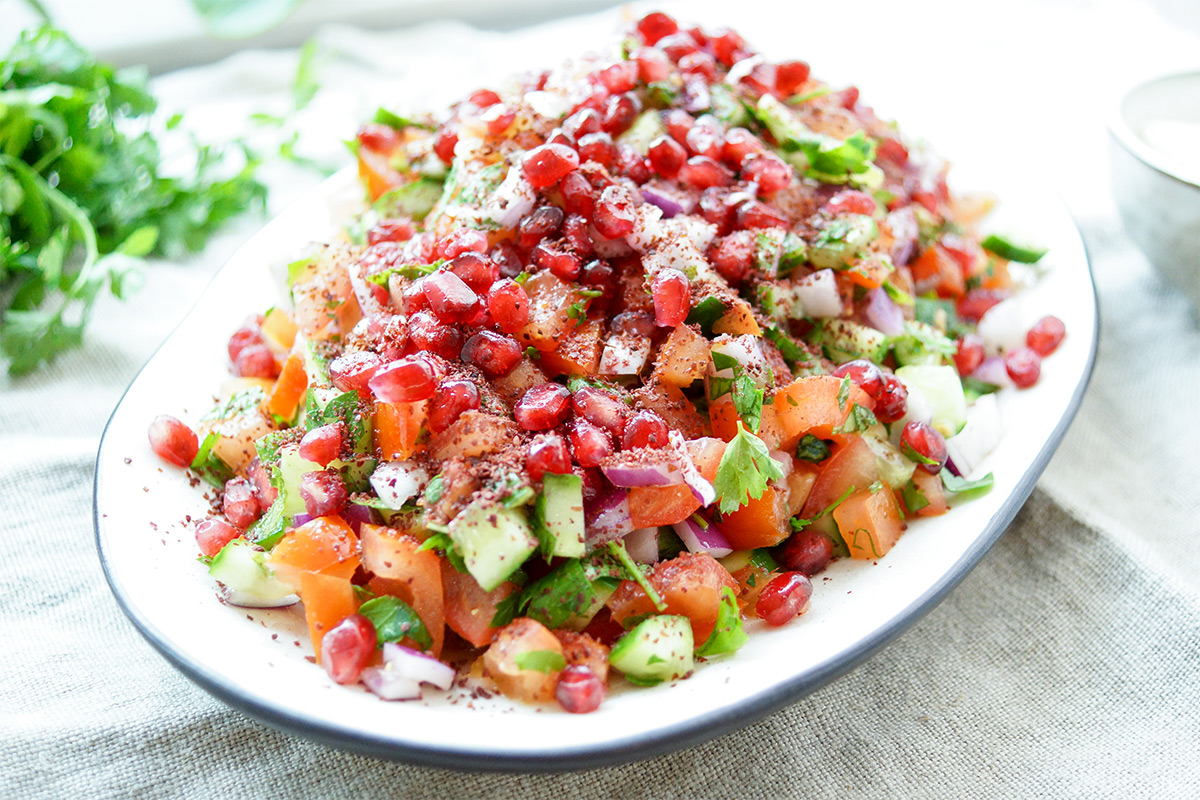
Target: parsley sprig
(745,470)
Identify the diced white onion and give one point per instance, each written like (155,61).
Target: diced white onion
(979,437)
(512,200)
(642,545)
(819,295)
(389,684)
(550,105)
(622,357)
(1004,326)
(417,666)
(396,482)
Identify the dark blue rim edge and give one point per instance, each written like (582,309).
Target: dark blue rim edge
(633,748)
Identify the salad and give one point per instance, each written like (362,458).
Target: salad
(614,362)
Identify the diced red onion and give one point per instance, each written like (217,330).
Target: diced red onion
(993,371)
(301,519)
(607,518)
(786,465)
(389,684)
(246,600)
(819,294)
(355,515)
(703,537)
(883,314)
(418,666)
(634,473)
(702,490)
(905,230)
(642,545)
(670,207)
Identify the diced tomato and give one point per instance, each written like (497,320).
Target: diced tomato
(762,522)
(469,609)
(289,388)
(377,173)
(936,269)
(403,570)
(328,599)
(706,453)
(398,428)
(578,353)
(869,522)
(800,483)
(751,580)
(582,650)
(931,487)
(522,635)
(690,584)
(279,330)
(325,544)
(738,320)
(651,506)
(810,405)
(851,468)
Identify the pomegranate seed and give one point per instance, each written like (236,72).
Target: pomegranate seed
(412,297)
(484,98)
(454,398)
(579,690)
(968,354)
(790,76)
(761,79)
(672,297)
(732,255)
(508,258)
(699,63)
(892,151)
(757,215)
(705,138)
(655,26)
(1024,366)
(509,305)
(264,492)
(678,122)
(494,354)
(347,648)
(652,64)
(725,45)
(614,213)
(543,222)
(633,323)
(600,408)
(543,407)
(575,231)
(645,429)
(892,402)
(807,552)
(444,144)
(770,172)
(377,137)
(477,271)
(865,374)
(578,195)
(678,45)
(924,445)
(323,492)
(666,156)
(740,144)
(590,443)
(238,504)
(977,302)
(214,534)
(256,361)
(243,338)
(322,445)
(563,264)
(390,230)
(701,172)
(544,166)
(718,207)
(449,298)
(463,240)
(172,441)
(632,164)
(850,201)
(620,77)
(559,137)
(404,381)
(547,453)
(598,147)
(848,97)
(427,334)
(1046,335)
(784,598)
(582,122)
(351,372)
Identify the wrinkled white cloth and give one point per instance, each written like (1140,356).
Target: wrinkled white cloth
(1066,665)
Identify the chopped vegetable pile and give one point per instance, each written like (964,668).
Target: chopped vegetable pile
(616,361)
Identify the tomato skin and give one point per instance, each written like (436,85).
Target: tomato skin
(403,570)
(651,506)
(810,405)
(870,523)
(761,522)
(690,584)
(326,545)
(522,635)
(468,608)
(851,467)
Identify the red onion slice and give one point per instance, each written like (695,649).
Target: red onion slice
(993,371)
(355,515)
(389,684)
(301,519)
(417,666)
(703,537)
(246,600)
(883,314)
(669,205)
(642,545)
(629,473)
(607,518)
(702,490)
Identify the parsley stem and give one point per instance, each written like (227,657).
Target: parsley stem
(617,548)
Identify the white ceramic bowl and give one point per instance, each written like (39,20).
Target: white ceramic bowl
(1154,154)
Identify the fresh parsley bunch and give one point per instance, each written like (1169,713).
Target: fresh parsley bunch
(82,195)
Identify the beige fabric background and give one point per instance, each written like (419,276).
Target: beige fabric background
(1066,665)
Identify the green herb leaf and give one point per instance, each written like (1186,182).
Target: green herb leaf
(745,470)
(728,636)
(812,449)
(208,465)
(506,610)
(706,313)
(395,620)
(966,489)
(268,529)
(860,419)
(799,523)
(748,400)
(1006,248)
(545,661)
(843,394)
(914,498)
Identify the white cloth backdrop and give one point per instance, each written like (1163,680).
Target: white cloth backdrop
(1066,665)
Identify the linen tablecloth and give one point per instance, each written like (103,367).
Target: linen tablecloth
(1066,665)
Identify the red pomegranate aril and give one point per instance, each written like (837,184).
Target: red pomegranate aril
(1046,335)
(598,147)
(243,338)
(453,398)
(546,165)
(850,201)
(476,270)
(678,122)
(494,354)
(968,353)
(920,442)
(865,374)
(377,137)
(732,255)
(509,305)
(892,403)
(678,45)
(500,121)
(347,648)
(704,140)
(575,231)
(412,296)
(583,122)
(653,66)
(655,26)
(547,453)
(645,429)
(172,441)
(351,372)
(214,534)
(672,296)
(444,143)
(757,215)
(1024,366)
(632,165)
(699,63)
(238,503)
(761,79)
(322,444)
(619,113)
(725,45)
(666,156)
(543,407)
(892,151)
(256,361)
(578,195)
(600,408)
(807,552)
(562,138)
(848,97)
(404,381)
(484,98)
(717,208)
(590,443)
(614,214)
(620,77)
(633,323)
(542,223)
(390,230)
(770,172)
(784,598)
(264,492)
(563,264)
(701,172)
(741,144)
(790,76)
(449,298)
(323,492)
(507,257)
(463,240)
(579,690)
(977,302)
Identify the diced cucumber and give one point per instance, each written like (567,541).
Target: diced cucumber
(844,341)
(727,107)
(316,365)
(842,240)
(1007,248)
(944,393)
(922,344)
(242,568)
(645,129)
(894,468)
(355,472)
(414,199)
(494,541)
(558,514)
(658,649)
